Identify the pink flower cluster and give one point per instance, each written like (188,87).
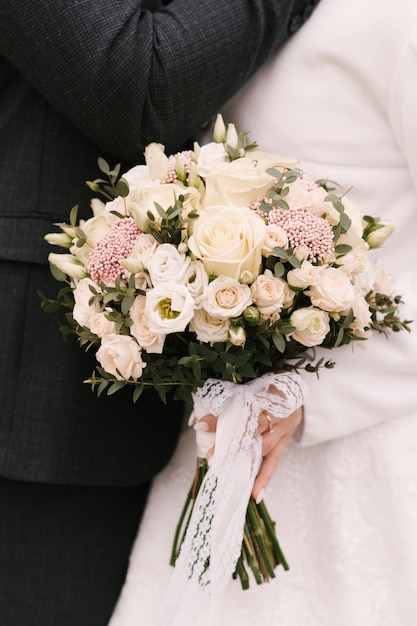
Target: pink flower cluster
(116,245)
(186,160)
(303,228)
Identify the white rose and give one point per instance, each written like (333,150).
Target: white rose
(304,276)
(168,265)
(68,264)
(333,291)
(275,237)
(354,262)
(312,326)
(169,308)
(362,321)
(83,311)
(268,293)
(209,329)
(150,341)
(100,325)
(120,356)
(197,279)
(228,241)
(225,297)
(242,181)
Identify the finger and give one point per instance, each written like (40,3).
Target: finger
(268,467)
(207,423)
(265,423)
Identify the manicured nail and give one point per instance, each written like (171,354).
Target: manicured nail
(201,426)
(260,497)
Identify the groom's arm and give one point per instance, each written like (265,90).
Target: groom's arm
(126,76)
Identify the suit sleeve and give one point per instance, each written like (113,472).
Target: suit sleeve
(126,76)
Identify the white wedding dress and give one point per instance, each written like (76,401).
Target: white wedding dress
(341,97)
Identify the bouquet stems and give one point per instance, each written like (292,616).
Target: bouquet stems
(261,552)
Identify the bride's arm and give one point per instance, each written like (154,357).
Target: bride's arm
(126,76)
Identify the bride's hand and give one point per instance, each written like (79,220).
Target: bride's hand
(275,434)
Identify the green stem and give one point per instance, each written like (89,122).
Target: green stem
(270,527)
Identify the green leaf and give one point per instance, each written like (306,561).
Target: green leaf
(103,165)
(122,188)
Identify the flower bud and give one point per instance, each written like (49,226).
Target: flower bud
(379,233)
(219,131)
(251,315)
(59,239)
(232,138)
(246,277)
(133,266)
(194,179)
(237,335)
(180,169)
(182,247)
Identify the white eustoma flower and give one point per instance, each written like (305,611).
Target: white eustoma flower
(68,264)
(169,308)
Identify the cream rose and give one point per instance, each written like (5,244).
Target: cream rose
(268,293)
(333,292)
(354,262)
(225,297)
(311,324)
(120,356)
(169,308)
(150,341)
(241,181)
(100,325)
(228,240)
(209,329)
(304,276)
(275,237)
(168,265)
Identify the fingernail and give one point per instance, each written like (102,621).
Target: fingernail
(201,426)
(260,497)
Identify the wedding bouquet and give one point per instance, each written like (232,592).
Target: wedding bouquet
(204,272)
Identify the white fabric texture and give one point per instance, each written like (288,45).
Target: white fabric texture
(215,530)
(341,97)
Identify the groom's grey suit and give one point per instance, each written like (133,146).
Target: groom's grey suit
(79,80)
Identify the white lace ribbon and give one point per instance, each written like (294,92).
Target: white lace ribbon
(213,542)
